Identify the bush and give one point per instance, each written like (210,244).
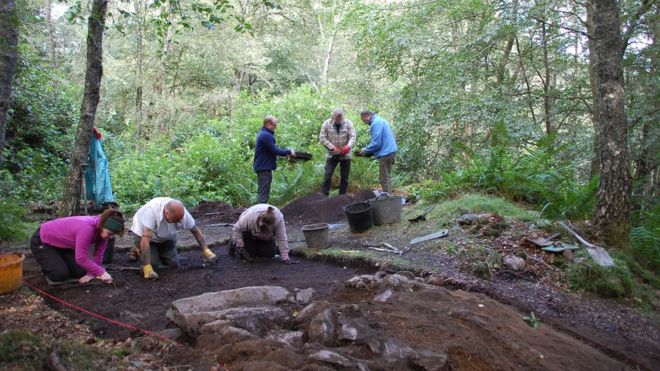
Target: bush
(211,159)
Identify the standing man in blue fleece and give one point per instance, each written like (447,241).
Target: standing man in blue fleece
(265,157)
(382,145)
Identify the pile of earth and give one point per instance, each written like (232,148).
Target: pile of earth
(215,212)
(317,208)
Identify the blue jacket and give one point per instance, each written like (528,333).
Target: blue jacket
(266,151)
(382,138)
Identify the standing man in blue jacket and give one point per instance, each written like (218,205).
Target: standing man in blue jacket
(265,157)
(383,146)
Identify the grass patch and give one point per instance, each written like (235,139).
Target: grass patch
(21,349)
(444,212)
(361,257)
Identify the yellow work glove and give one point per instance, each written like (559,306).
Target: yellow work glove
(209,256)
(149,272)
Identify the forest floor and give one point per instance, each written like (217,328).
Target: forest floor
(568,329)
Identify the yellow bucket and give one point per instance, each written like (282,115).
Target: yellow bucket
(11,272)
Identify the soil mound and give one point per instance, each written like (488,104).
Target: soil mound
(215,211)
(317,208)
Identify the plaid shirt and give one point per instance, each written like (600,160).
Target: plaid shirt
(329,137)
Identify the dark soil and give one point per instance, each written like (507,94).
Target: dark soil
(317,208)
(143,303)
(209,212)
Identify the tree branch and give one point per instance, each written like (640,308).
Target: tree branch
(635,21)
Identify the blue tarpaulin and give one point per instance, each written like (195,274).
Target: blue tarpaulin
(97,177)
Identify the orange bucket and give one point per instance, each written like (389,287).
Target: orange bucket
(11,272)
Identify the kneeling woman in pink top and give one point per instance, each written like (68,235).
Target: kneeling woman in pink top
(62,246)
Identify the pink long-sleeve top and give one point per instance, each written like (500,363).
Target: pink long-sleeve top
(77,233)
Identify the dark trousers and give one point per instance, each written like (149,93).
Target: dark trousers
(255,247)
(264,178)
(57,264)
(160,253)
(344,171)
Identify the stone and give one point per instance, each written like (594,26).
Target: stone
(362,282)
(171,333)
(260,366)
(253,319)
(389,349)
(184,311)
(322,327)
(231,334)
(514,262)
(429,361)
(330,357)
(435,280)
(347,330)
(311,311)
(228,335)
(215,326)
(467,219)
(210,342)
(257,320)
(406,274)
(285,357)
(383,296)
(397,282)
(293,339)
(305,296)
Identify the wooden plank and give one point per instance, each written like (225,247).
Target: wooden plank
(438,234)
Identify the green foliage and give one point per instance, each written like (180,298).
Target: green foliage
(532,320)
(211,159)
(645,240)
(536,176)
(20,348)
(607,282)
(25,351)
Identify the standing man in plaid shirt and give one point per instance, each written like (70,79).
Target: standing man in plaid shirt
(337,136)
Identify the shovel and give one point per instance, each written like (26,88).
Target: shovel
(543,242)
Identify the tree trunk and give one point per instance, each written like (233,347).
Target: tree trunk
(645,192)
(612,216)
(139,57)
(94,72)
(8,58)
(593,81)
(53,47)
(547,80)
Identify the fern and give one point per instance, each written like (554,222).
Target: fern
(645,242)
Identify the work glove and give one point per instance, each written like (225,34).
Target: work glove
(105,278)
(345,150)
(336,151)
(149,273)
(244,255)
(290,261)
(86,278)
(209,256)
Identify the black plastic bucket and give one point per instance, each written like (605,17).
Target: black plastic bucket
(360,216)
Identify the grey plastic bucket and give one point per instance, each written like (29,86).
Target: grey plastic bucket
(387,209)
(360,216)
(316,235)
